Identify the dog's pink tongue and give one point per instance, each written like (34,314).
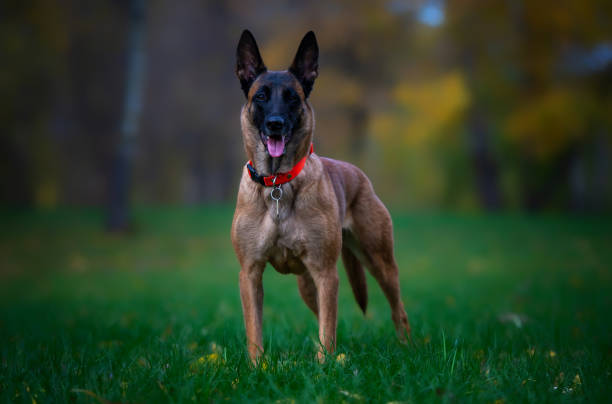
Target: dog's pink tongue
(276,146)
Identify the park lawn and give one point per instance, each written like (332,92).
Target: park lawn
(504,308)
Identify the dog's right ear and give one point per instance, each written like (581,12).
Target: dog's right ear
(248,61)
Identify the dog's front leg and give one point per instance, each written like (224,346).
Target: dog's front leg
(326,282)
(251,295)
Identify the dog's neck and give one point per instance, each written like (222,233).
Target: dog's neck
(267,165)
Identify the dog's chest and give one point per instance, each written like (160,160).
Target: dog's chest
(285,245)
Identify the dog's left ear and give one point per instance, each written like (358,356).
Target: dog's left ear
(249,64)
(305,66)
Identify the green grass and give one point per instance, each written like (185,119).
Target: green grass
(508,307)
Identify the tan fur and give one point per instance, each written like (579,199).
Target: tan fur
(328,207)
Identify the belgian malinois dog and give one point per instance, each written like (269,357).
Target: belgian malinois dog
(299,211)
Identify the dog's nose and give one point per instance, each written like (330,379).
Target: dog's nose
(275,123)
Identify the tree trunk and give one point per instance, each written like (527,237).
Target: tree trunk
(601,194)
(120,175)
(577,180)
(485,167)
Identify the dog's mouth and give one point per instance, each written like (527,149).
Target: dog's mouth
(275,145)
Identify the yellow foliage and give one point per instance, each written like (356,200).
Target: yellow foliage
(47,194)
(423,108)
(548,124)
(335,88)
(409,133)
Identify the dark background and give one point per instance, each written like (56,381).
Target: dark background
(460,105)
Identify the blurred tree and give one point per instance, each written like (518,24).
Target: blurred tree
(121,171)
(477,34)
(513,53)
(33,41)
(566,108)
(416,134)
(444,103)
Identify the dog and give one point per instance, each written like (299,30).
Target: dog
(299,211)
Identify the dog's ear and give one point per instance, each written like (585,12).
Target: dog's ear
(305,65)
(249,64)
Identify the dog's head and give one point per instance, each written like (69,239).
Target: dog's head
(277,118)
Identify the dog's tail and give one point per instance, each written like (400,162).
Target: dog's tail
(356,276)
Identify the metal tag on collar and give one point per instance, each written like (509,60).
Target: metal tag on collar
(276,196)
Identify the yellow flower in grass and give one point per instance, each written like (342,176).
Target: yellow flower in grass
(210,359)
(213,358)
(551,354)
(341,359)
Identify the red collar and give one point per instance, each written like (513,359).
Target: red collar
(281,178)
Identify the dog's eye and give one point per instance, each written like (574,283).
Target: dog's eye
(260,97)
(291,97)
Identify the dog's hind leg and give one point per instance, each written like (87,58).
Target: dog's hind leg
(385,272)
(308,291)
(373,230)
(355,273)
